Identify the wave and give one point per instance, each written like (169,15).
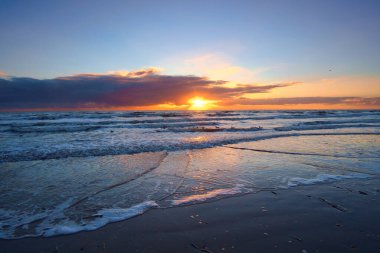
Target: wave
(192,124)
(214,129)
(244,118)
(52,129)
(323,126)
(48,227)
(158,117)
(67,127)
(352,121)
(33,154)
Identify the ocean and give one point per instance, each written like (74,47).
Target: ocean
(65,172)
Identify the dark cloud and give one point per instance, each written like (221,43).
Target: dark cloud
(138,88)
(143,88)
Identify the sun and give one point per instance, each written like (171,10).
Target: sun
(198,103)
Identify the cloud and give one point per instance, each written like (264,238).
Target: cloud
(143,87)
(360,101)
(338,86)
(217,66)
(148,87)
(3,74)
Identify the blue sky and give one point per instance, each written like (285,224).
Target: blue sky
(299,38)
(263,41)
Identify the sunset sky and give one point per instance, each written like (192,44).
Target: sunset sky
(256,54)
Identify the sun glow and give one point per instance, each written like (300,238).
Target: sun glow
(198,103)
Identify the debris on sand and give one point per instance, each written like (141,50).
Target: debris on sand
(204,248)
(296,238)
(338,207)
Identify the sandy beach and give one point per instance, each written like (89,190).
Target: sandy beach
(335,217)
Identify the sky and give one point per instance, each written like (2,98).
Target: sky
(256,54)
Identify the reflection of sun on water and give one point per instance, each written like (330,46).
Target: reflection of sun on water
(198,103)
(199,138)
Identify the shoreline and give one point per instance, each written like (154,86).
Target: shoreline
(315,218)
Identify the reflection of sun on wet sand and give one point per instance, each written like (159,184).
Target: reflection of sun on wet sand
(100,190)
(336,217)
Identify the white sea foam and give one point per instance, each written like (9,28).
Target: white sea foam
(48,227)
(102,218)
(323,178)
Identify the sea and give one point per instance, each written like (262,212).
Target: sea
(70,171)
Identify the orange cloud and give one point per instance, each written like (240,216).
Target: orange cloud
(345,86)
(3,74)
(150,89)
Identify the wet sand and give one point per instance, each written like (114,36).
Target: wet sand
(335,217)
